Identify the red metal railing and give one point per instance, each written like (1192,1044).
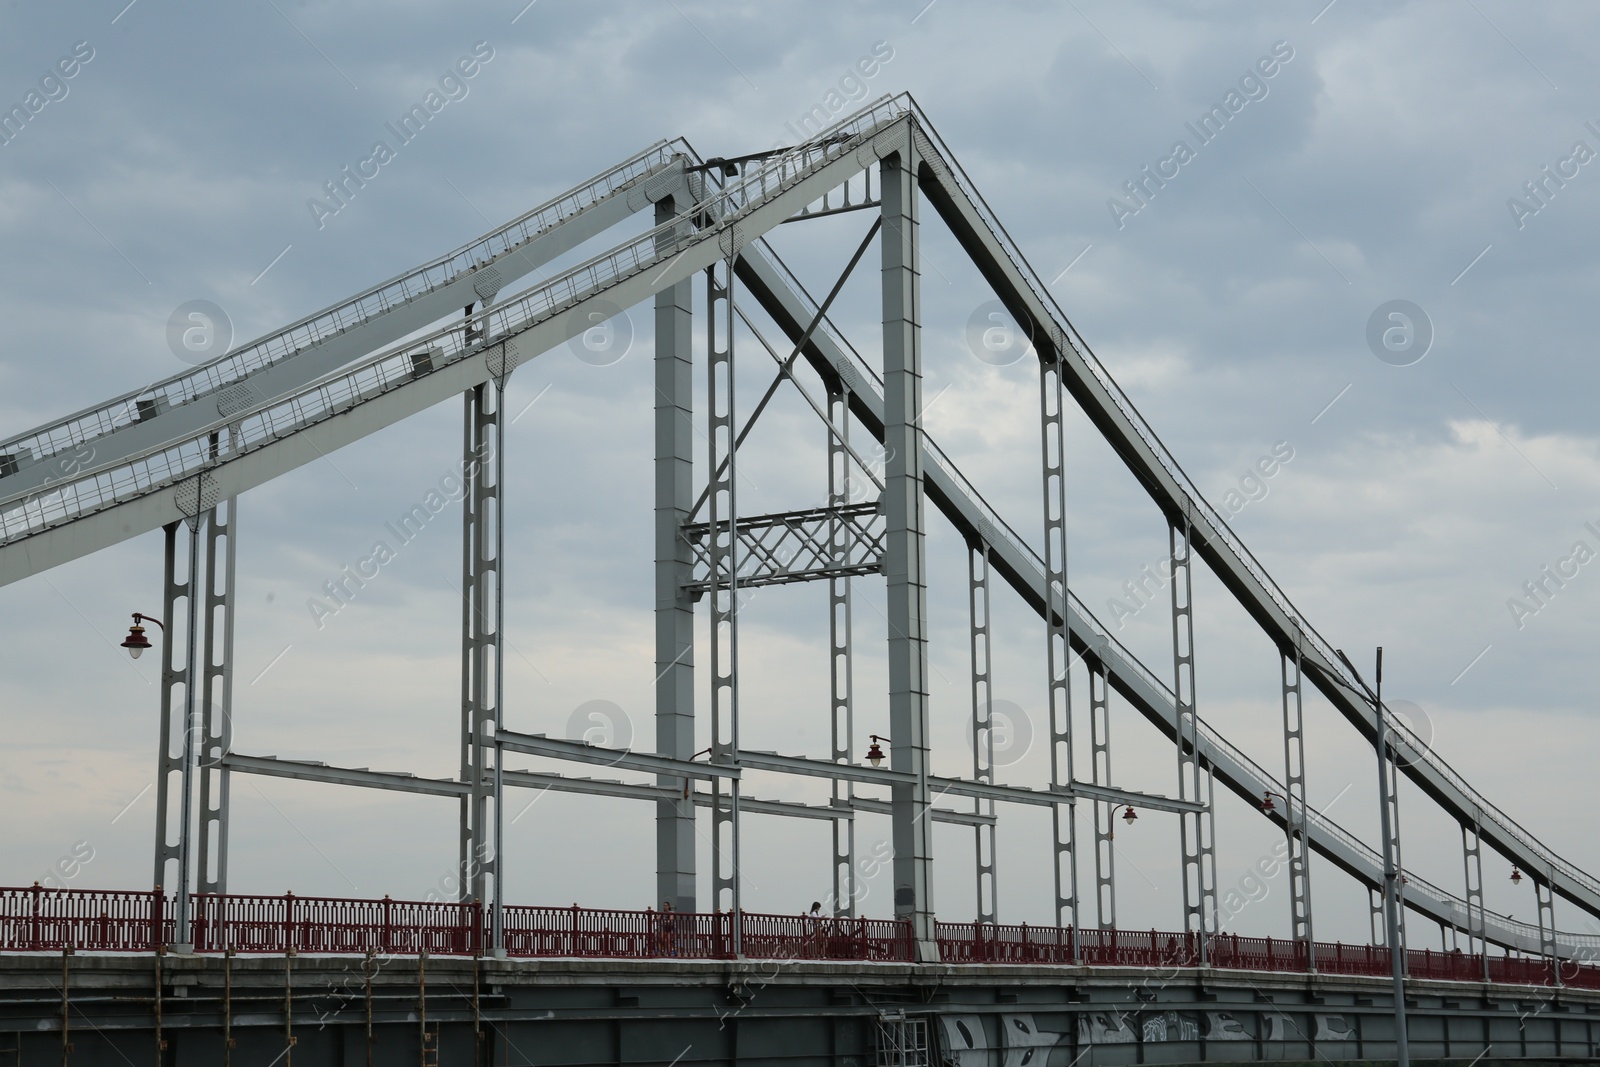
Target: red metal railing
(330,925)
(91,920)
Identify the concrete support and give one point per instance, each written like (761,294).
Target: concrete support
(480,641)
(1194,777)
(841,680)
(674,473)
(982,726)
(905,565)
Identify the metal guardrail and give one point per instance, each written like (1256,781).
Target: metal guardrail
(90,920)
(74,430)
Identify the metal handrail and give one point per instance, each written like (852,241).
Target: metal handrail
(1404,739)
(167,464)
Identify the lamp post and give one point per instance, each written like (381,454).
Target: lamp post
(1391,876)
(136,643)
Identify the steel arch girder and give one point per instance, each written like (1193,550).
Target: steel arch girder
(1021,572)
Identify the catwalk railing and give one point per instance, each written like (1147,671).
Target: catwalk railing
(37,919)
(396,366)
(62,434)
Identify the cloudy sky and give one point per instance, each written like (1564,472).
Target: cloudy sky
(1437,461)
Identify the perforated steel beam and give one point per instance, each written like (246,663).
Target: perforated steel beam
(982,726)
(1194,774)
(216,694)
(1477,920)
(1105,814)
(841,667)
(182,737)
(723,577)
(480,638)
(1058,659)
(1294,817)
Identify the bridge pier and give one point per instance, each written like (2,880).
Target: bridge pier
(674,501)
(341,1010)
(904,558)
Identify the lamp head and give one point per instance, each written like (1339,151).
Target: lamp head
(136,642)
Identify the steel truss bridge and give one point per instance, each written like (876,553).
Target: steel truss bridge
(179,455)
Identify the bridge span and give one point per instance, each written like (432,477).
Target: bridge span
(318,1010)
(189,973)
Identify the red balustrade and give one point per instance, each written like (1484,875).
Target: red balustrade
(36,919)
(91,920)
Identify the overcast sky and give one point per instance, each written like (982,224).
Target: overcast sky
(1372,153)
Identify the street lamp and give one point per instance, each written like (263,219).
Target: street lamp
(1516,876)
(875,753)
(1129,815)
(136,642)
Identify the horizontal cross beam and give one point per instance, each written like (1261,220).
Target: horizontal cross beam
(621,758)
(402,782)
(1014,794)
(794,546)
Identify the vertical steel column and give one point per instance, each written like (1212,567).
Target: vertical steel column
(1194,778)
(1105,813)
(1393,872)
(724,588)
(480,638)
(1472,860)
(168,762)
(195,497)
(674,474)
(905,562)
(1058,645)
(1377,917)
(1389,800)
(841,681)
(1294,818)
(982,724)
(1547,923)
(216,696)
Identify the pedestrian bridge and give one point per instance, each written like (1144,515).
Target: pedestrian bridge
(188,972)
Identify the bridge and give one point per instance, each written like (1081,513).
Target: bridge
(186,971)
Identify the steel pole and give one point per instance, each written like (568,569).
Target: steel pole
(186,804)
(497,912)
(1391,877)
